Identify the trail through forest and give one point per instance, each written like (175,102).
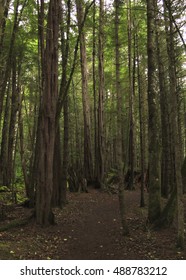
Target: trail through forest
(89,228)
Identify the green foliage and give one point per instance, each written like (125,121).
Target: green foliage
(4,189)
(112,177)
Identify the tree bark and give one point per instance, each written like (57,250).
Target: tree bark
(142,130)
(154,209)
(101,96)
(47,121)
(175,128)
(167,177)
(64,179)
(119,123)
(131,155)
(94,90)
(88,164)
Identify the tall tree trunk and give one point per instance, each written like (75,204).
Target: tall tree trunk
(119,122)
(88,163)
(175,126)
(4,9)
(142,130)
(7,71)
(94,89)
(12,127)
(64,179)
(100,162)
(1,15)
(167,177)
(131,155)
(47,121)
(28,188)
(4,141)
(61,168)
(154,209)
(57,169)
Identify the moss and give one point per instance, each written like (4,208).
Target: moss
(5,251)
(4,189)
(167,216)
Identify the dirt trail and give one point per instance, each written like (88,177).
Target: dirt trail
(95,234)
(89,228)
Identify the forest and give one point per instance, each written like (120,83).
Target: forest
(92,129)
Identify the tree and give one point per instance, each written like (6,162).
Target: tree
(142,129)
(47,120)
(119,153)
(8,71)
(166,174)
(71,83)
(100,133)
(131,74)
(175,126)
(154,209)
(88,164)
(60,167)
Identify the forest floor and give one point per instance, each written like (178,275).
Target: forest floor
(89,228)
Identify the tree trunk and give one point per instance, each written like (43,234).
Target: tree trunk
(175,127)
(100,155)
(119,123)
(154,209)
(22,153)
(94,90)
(4,141)
(167,177)
(63,196)
(47,121)
(131,156)
(142,131)
(1,15)
(88,164)
(13,120)
(7,70)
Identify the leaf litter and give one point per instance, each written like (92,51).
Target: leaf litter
(89,228)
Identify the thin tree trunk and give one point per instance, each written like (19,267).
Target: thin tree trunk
(57,170)
(1,15)
(13,120)
(4,9)
(94,90)
(100,163)
(131,101)
(154,209)
(88,164)
(142,132)
(4,141)
(7,71)
(22,153)
(119,123)
(63,195)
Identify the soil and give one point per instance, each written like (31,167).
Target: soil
(89,228)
